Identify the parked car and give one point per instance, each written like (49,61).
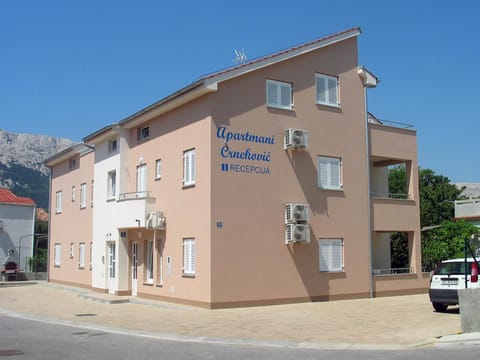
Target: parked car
(447,278)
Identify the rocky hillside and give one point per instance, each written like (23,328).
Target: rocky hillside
(472,190)
(21,163)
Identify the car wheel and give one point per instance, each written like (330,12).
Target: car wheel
(439,307)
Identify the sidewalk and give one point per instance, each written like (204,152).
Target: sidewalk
(380,323)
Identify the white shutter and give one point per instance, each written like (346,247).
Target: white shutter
(285,96)
(189,256)
(272,94)
(332,91)
(142,179)
(81,255)
(321,86)
(329,173)
(192,166)
(189,167)
(331,255)
(57,254)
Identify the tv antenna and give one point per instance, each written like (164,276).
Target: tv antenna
(240,57)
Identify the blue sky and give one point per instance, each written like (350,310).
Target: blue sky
(69,68)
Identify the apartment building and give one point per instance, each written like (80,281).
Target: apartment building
(263,183)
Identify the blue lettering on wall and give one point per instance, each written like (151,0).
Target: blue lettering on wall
(246,154)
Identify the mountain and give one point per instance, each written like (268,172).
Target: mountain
(21,163)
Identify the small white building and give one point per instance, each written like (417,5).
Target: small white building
(17,221)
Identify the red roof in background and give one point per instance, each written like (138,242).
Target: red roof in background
(6,196)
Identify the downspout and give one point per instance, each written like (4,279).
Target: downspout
(369,81)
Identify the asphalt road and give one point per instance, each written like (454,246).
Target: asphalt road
(31,339)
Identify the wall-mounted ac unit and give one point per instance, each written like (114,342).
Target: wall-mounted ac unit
(295,213)
(297,233)
(295,139)
(155,220)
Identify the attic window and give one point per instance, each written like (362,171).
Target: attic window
(112,146)
(143,133)
(72,164)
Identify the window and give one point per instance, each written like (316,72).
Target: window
(331,255)
(189,257)
(112,185)
(143,133)
(56,260)
(91,255)
(329,173)
(71,250)
(58,206)
(83,195)
(72,164)
(327,90)
(112,146)
(189,167)
(149,263)
(279,94)
(73,193)
(141,180)
(81,255)
(91,197)
(158,169)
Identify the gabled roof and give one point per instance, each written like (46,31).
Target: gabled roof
(7,197)
(209,83)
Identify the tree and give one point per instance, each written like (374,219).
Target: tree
(437,196)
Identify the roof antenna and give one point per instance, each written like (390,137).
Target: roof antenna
(240,57)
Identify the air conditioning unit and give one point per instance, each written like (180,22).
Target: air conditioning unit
(295,139)
(155,220)
(295,213)
(297,233)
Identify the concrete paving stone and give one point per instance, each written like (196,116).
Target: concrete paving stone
(380,322)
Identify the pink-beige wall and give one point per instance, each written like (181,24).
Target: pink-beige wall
(187,209)
(73,224)
(250,261)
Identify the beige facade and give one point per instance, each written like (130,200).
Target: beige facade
(215,162)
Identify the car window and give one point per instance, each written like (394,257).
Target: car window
(453,268)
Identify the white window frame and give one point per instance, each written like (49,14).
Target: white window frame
(73,193)
(91,255)
(158,169)
(111,185)
(58,202)
(274,94)
(58,253)
(83,195)
(72,251)
(325,94)
(91,197)
(331,255)
(149,262)
(329,173)
(189,167)
(81,255)
(142,180)
(189,256)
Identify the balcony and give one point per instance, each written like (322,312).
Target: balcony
(393,214)
(392,140)
(467,208)
(132,207)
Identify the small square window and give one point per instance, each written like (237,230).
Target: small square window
(112,146)
(279,94)
(143,133)
(72,164)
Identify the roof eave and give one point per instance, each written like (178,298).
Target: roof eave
(68,153)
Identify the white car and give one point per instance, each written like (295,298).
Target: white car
(447,278)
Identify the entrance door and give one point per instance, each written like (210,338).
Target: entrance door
(111,267)
(134,268)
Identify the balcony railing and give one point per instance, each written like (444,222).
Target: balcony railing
(134,195)
(393,271)
(390,123)
(467,208)
(378,195)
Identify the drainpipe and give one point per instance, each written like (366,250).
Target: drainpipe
(369,81)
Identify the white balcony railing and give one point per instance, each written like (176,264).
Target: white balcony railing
(378,195)
(467,208)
